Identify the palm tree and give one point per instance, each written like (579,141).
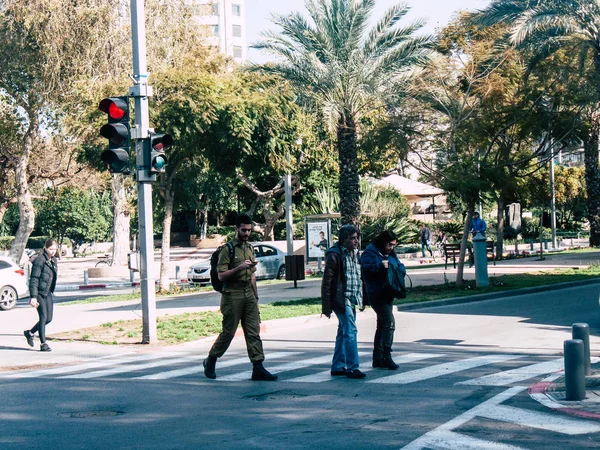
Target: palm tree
(345,70)
(545,27)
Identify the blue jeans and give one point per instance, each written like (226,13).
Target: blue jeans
(425,245)
(345,354)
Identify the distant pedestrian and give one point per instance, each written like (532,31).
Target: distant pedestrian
(374,262)
(42,282)
(425,239)
(239,302)
(478,225)
(341,292)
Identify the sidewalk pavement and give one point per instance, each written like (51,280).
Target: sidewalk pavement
(16,355)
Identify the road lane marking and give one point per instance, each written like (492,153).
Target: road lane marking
(443,369)
(541,420)
(220,365)
(436,437)
(449,440)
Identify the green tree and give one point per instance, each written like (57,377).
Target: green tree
(79,215)
(543,27)
(346,71)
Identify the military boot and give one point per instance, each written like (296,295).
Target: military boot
(259,373)
(209,367)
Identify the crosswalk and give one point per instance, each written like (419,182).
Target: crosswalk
(307,367)
(508,375)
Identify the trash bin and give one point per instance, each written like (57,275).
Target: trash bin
(294,267)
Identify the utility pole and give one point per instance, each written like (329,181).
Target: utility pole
(140,91)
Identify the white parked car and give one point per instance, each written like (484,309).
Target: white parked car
(271,264)
(13,284)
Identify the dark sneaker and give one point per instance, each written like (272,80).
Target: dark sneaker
(29,337)
(355,374)
(45,348)
(378,363)
(259,373)
(209,368)
(338,373)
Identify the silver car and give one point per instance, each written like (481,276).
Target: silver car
(271,264)
(13,284)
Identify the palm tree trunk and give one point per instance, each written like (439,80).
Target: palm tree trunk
(349,186)
(592,178)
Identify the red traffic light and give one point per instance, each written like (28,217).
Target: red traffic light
(115,107)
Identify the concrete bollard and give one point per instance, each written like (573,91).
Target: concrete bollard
(582,331)
(574,370)
(177,270)
(481,270)
(85,277)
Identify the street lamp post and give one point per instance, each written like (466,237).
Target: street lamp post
(289,226)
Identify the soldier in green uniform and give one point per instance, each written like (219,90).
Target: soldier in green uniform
(239,301)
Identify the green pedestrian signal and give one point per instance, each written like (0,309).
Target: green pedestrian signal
(157,158)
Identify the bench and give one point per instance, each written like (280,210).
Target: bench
(453,251)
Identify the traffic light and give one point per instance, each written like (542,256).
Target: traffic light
(116,131)
(158,159)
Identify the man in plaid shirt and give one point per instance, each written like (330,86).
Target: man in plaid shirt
(341,292)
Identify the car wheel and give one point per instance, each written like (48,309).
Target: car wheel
(281,273)
(8,298)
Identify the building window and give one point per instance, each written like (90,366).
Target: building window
(215,30)
(236,10)
(209,9)
(236,31)
(237,51)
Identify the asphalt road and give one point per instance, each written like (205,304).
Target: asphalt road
(462,384)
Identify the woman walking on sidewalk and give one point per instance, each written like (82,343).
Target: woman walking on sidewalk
(42,282)
(375,260)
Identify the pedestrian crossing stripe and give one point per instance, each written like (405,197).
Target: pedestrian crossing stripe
(401,359)
(192,364)
(519,374)
(443,369)
(197,369)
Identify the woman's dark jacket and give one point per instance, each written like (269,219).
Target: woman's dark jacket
(375,275)
(44,272)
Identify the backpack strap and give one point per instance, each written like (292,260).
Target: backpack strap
(230,247)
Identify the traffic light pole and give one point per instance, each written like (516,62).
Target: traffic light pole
(140,92)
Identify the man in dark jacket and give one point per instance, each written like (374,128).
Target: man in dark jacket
(341,292)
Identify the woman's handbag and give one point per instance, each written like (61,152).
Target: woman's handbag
(395,281)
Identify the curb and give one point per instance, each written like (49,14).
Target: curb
(494,295)
(539,393)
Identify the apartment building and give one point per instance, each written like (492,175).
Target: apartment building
(226,24)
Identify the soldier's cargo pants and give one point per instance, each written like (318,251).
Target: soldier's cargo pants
(239,304)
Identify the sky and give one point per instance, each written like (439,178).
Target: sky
(437,13)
